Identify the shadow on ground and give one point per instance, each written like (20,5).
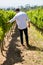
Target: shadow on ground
(35,48)
(13,55)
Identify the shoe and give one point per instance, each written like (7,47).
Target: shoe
(23,45)
(28,46)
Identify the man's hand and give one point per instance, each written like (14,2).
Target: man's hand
(29,24)
(7,22)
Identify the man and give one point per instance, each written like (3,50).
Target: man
(21,19)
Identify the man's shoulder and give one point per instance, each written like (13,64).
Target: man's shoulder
(23,12)
(20,13)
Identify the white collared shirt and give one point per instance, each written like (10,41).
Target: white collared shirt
(21,19)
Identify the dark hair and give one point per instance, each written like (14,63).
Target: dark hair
(17,9)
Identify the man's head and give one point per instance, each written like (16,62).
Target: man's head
(17,10)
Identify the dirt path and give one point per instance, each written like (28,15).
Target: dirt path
(15,54)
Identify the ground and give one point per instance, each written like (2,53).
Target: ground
(16,54)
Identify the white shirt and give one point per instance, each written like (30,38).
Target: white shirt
(21,19)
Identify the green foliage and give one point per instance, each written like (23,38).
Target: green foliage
(1,33)
(36,17)
(5,16)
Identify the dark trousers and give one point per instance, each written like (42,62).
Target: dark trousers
(26,35)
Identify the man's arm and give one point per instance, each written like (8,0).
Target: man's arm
(12,20)
(28,21)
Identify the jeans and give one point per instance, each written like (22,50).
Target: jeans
(26,35)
